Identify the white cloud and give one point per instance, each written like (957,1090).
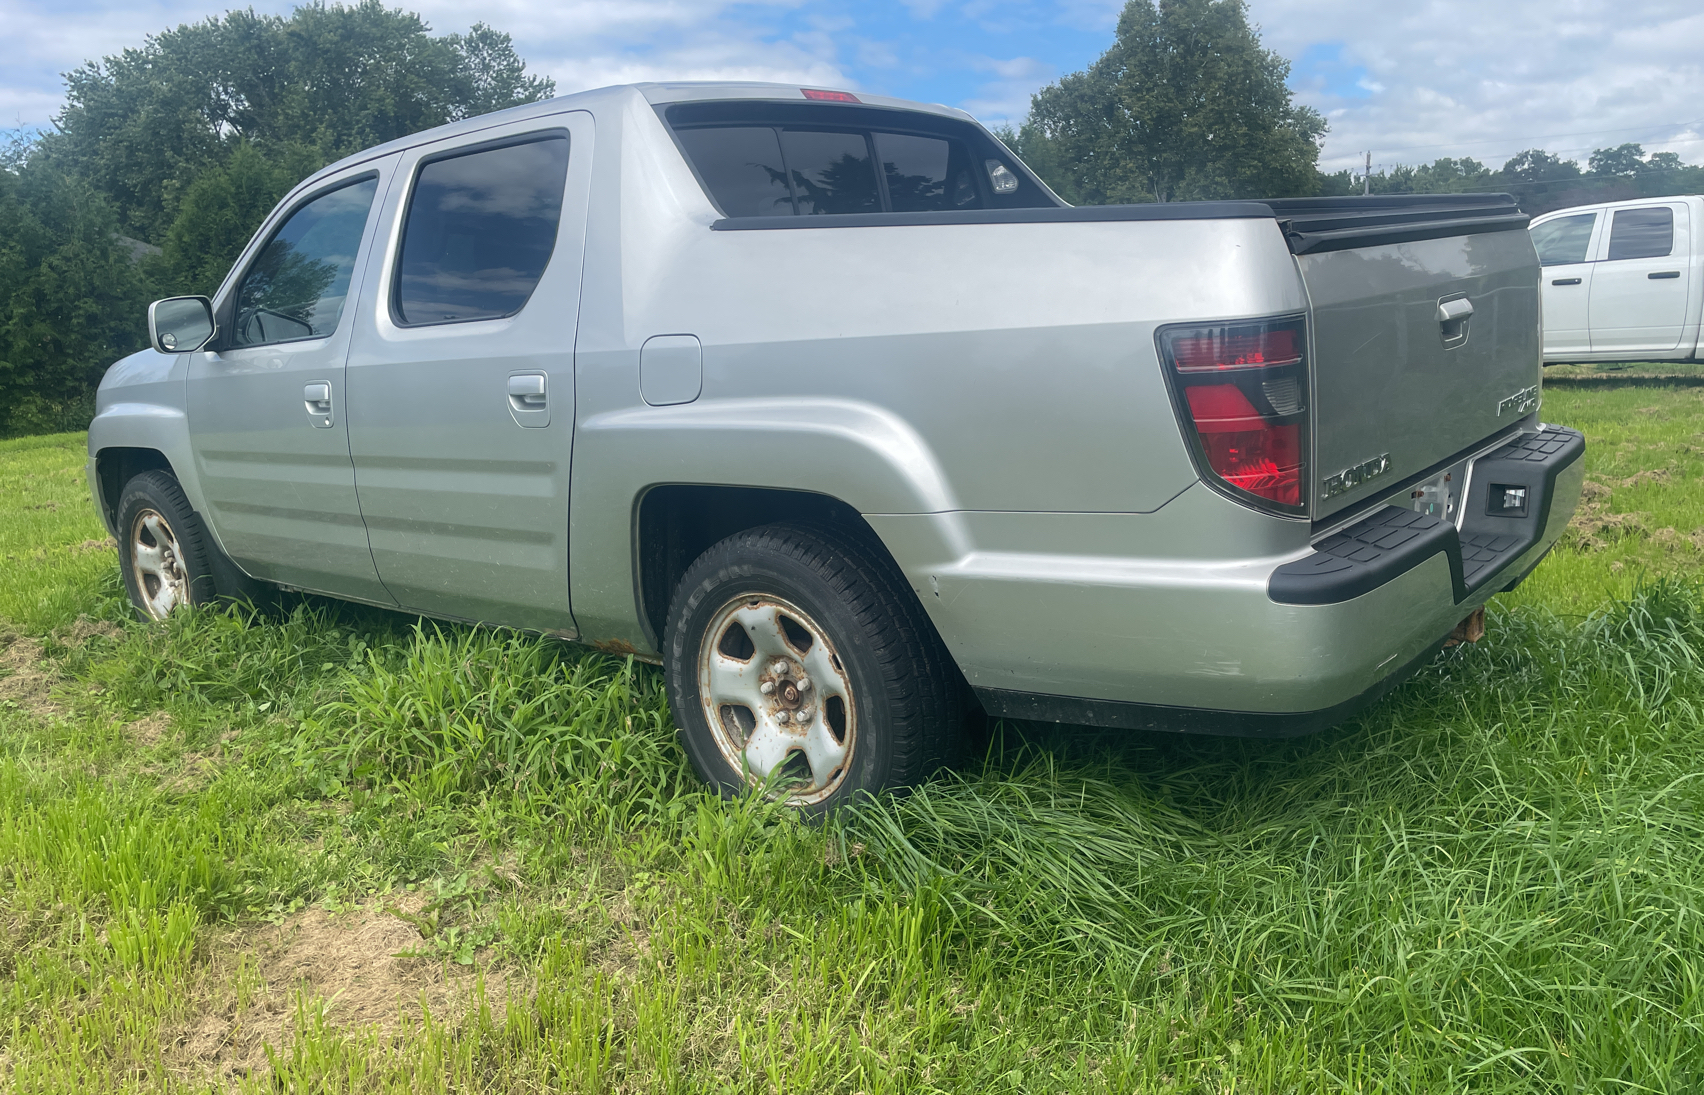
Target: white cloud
(1488,80)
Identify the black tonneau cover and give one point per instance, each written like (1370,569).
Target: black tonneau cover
(1343,224)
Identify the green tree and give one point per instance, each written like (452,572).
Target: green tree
(1186,104)
(72,298)
(143,125)
(220,210)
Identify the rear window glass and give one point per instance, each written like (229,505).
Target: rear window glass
(764,158)
(831,172)
(1642,233)
(926,173)
(742,165)
(481,228)
(1564,239)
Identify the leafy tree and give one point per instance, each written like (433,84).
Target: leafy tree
(142,126)
(1186,104)
(220,211)
(72,298)
(1626,160)
(1538,166)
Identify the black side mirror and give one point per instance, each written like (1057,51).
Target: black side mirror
(179,325)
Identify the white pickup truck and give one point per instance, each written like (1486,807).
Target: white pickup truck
(1622,281)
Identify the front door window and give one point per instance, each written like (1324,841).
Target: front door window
(296,287)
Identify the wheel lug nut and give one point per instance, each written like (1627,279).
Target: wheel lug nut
(767,688)
(779,668)
(804,684)
(805,713)
(781,716)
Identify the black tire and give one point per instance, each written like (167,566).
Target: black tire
(154,514)
(905,714)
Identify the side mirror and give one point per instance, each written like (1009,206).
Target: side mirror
(179,325)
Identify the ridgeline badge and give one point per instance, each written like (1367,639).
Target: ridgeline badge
(1350,478)
(1520,403)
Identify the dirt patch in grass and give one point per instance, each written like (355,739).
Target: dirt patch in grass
(347,964)
(24,683)
(83,629)
(148,731)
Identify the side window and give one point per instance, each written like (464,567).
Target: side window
(296,286)
(742,167)
(831,172)
(1642,233)
(480,230)
(1564,239)
(926,173)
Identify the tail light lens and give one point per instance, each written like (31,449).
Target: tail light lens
(1241,394)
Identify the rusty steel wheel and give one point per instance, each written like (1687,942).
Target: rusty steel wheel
(799,661)
(777,697)
(160,548)
(156,561)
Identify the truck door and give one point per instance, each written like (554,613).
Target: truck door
(1639,291)
(267,410)
(461,385)
(1564,244)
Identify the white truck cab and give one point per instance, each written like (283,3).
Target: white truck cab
(1622,280)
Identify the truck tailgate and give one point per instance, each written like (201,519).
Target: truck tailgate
(1425,331)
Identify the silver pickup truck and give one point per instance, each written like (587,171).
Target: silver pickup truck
(827,404)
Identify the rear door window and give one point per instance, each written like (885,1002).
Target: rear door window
(1642,233)
(480,231)
(1564,239)
(831,172)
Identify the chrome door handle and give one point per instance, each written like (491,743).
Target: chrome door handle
(316,397)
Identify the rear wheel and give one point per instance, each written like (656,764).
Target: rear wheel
(800,661)
(161,547)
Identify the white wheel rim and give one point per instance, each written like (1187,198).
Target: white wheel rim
(157,563)
(784,709)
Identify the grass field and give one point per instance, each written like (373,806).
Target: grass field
(340,850)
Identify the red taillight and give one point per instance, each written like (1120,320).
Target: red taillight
(828,96)
(1233,348)
(1241,390)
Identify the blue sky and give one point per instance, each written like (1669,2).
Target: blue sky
(1411,83)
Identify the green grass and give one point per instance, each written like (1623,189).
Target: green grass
(1491,881)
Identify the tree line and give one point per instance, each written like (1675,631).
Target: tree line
(167,156)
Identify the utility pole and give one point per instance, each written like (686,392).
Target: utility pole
(1367,177)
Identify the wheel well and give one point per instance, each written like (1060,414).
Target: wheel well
(115,467)
(678,523)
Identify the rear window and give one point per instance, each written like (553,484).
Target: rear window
(765,159)
(1642,233)
(1564,239)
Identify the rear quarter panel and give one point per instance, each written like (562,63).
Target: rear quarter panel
(911,369)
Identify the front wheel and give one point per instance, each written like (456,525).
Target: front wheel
(161,549)
(798,660)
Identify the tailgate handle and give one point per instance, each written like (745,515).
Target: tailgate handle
(1452,321)
(1454,311)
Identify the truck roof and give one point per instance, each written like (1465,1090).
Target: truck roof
(656,94)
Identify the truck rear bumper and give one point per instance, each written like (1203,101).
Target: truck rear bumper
(1281,644)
